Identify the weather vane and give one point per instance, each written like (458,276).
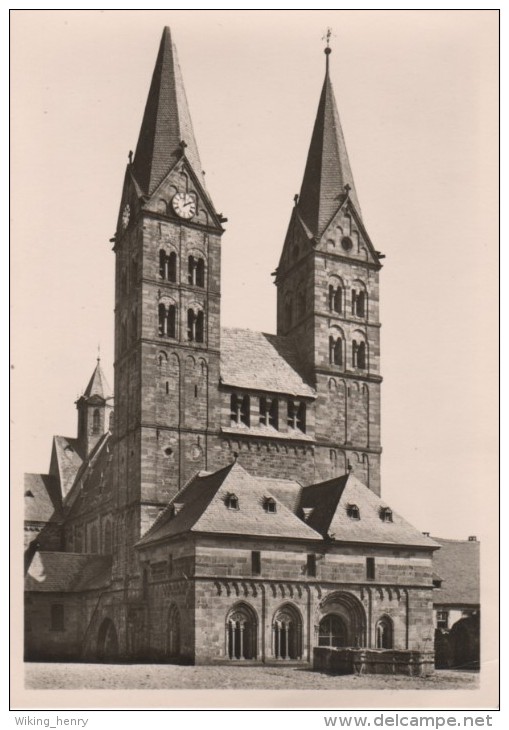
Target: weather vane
(327,36)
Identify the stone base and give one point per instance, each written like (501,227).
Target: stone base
(373,661)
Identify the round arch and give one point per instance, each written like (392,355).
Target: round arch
(287,632)
(348,610)
(241,632)
(384,633)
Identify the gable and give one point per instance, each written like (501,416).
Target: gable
(182,179)
(345,235)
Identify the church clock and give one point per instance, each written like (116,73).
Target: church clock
(184,205)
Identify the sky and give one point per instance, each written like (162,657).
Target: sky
(417,96)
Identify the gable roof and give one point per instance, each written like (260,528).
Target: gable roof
(203,508)
(42,497)
(327,167)
(457,565)
(259,361)
(65,461)
(329,501)
(166,122)
(58,572)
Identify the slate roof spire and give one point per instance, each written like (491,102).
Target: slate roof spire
(328,169)
(97,385)
(166,123)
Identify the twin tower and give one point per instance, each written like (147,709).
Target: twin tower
(190,395)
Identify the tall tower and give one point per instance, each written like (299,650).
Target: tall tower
(167,302)
(327,300)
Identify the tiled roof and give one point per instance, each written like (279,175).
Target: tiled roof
(42,497)
(98,384)
(166,122)
(329,501)
(203,508)
(94,472)
(68,461)
(258,361)
(327,168)
(457,565)
(58,572)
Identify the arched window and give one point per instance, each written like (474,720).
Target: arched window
(359,355)
(335,298)
(358,303)
(287,634)
(96,421)
(168,265)
(332,631)
(195,325)
(167,320)
(241,633)
(196,271)
(335,350)
(384,633)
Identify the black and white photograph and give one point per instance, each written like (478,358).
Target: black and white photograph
(254,357)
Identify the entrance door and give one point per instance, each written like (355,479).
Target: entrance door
(332,631)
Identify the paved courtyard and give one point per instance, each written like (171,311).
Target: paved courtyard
(167,676)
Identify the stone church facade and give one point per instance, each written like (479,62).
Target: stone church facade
(230,508)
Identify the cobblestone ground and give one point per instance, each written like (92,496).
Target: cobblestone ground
(166,676)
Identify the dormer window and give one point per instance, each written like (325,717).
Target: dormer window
(269,505)
(385,514)
(353,512)
(232,501)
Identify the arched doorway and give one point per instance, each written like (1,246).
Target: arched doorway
(384,633)
(287,633)
(173,637)
(241,632)
(332,631)
(107,641)
(346,621)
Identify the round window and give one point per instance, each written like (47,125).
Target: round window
(346,242)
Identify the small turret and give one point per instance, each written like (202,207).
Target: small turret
(95,411)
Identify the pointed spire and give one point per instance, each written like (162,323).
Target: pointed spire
(327,167)
(166,123)
(97,384)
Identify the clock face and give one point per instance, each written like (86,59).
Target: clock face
(184,205)
(126,214)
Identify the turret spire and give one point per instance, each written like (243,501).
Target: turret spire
(327,167)
(166,123)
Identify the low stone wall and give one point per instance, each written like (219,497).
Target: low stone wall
(373,661)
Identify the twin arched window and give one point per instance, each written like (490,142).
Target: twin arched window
(195,325)
(359,355)
(167,320)
(168,265)
(335,298)
(196,271)
(335,350)
(358,303)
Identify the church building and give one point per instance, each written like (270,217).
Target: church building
(228,508)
